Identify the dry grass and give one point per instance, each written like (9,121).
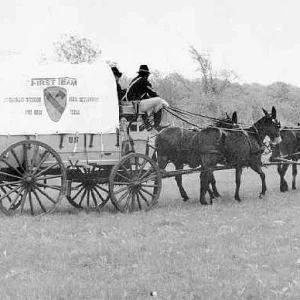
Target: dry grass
(247,250)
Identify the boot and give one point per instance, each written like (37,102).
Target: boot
(157,121)
(147,125)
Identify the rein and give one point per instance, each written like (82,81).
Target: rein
(185,112)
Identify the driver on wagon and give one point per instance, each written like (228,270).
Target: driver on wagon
(141,89)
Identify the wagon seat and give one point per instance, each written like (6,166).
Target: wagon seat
(131,112)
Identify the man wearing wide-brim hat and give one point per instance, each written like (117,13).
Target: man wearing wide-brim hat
(141,89)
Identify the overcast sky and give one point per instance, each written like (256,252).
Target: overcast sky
(258,39)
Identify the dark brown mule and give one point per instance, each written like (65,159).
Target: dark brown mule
(239,148)
(174,145)
(290,143)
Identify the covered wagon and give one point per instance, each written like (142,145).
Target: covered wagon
(60,137)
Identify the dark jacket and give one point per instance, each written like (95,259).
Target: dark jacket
(140,88)
(120,91)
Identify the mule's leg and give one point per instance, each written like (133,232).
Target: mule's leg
(281,171)
(238,175)
(204,181)
(214,187)
(209,161)
(294,173)
(257,169)
(178,179)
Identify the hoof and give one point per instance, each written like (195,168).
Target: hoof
(293,187)
(203,202)
(238,199)
(284,189)
(261,195)
(185,198)
(217,195)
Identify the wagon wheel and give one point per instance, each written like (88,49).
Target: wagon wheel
(32,179)
(87,191)
(135,183)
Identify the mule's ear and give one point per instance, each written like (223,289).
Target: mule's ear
(265,112)
(234,118)
(273,112)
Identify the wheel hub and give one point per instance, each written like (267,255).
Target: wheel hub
(28,180)
(135,183)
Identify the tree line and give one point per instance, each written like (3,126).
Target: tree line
(213,93)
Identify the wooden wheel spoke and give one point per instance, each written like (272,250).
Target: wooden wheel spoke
(99,195)
(150,178)
(121,183)
(121,190)
(16,199)
(46,195)
(47,177)
(123,196)
(119,174)
(77,186)
(11,166)
(39,200)
(88,198)
(17,159)
(133,200)
(82,197)
(9,183)
(25,156)
(126,206)
(30,203)
(23,200)
(75,196)
(44,156)
(46,169)
(147,192)
(9,193)
(53,187)
(11,175)
(137,165)
(150,185)
(94,198)
(138,200)
(102,188)
(126,171)
(3,190)
(142,167)
(147,173)
(143,197)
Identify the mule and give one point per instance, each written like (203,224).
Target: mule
(239,148)
(174,146)
(290,143)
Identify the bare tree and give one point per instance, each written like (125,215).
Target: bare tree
(213,82)
(205,67)
(75,49)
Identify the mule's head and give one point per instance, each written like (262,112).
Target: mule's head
(228,122)
(270,126)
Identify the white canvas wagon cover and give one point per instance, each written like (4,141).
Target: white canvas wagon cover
(57,98)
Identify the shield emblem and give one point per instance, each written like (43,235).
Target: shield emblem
(55,99)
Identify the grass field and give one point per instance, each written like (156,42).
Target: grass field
(248,250)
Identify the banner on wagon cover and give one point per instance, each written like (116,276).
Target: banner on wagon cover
(58,98)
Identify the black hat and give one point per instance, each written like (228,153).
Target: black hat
(144,69)
(116,71)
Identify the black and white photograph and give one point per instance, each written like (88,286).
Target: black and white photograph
(149,150)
